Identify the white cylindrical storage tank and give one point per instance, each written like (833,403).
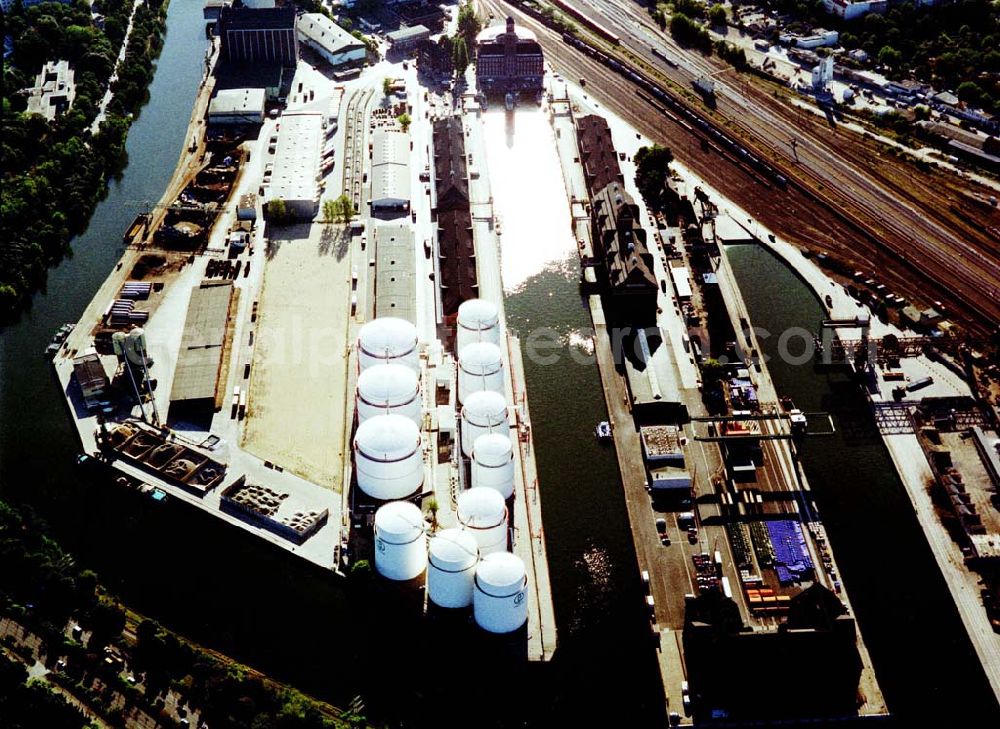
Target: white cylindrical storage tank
(388,458)
(451,570)
(483,513)
(400,541)
(493,463)
(388,340)
(500,598)
(388,389)
(483,412)
(478,321)
(480,367)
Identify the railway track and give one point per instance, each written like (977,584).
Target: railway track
(912,248)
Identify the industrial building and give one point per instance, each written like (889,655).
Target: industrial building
(237,107)
(621,246)
(405,40)
(427,14)
(395,275)
(296,160)
(508,59)
(850,9)
(54,90)
(272,77)
(390,172)
(456,252)
(199,358)
(652,376)
(597,152)
(329,40)
(259,35)
(91,379)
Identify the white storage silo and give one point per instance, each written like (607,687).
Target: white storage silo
(500,598)
(388,340)
(478,321)
(480,367)
(451,570)
(388,458)
(493,463)
(483,412)
(483,513)
(400,541)
(387,389)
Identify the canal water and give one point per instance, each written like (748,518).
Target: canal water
(229,591)
(927,667)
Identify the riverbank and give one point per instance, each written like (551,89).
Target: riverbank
(59,171)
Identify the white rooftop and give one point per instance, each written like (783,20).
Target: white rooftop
(296,157)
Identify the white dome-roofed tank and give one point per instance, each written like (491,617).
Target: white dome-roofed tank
(478,321)
(483,513)
(493,463)
(388,389)
(400,541)
(500,598)
(388,340)
(480,367)
(483,412)
(388,458)
(451,570)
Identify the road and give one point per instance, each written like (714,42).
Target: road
(913,232)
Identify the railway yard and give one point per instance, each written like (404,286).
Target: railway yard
(929,237)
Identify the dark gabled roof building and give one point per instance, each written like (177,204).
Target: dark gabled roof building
(620,243)
(259,35)
(455,247)
(508,59)
(597,153)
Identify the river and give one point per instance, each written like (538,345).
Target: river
(227,590)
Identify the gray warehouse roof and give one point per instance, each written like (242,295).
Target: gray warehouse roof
(326,34)
(231,102)
(395,283)
(200,354)
(404,34)
(390,167)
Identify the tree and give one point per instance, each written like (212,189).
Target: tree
(404,121)
(712,371)
(970,92)
(277,211)
(717,15)
(432,507)
(469,24)
(345,208)
(386,86)
(331,211)
(652,167)
(889,56)
(460,55)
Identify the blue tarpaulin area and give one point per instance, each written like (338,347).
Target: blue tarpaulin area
(791,557)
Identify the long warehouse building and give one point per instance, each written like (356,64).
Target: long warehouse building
(296,164)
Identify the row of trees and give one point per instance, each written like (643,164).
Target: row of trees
(27,704)
(41,586)
(55,173)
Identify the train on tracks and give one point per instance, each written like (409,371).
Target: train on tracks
(588,23)
(673,107)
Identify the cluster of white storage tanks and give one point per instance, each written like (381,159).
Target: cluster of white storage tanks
(388,454)
(468,566)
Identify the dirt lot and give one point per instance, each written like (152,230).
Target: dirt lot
(295,416)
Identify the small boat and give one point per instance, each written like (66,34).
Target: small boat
(603,432)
